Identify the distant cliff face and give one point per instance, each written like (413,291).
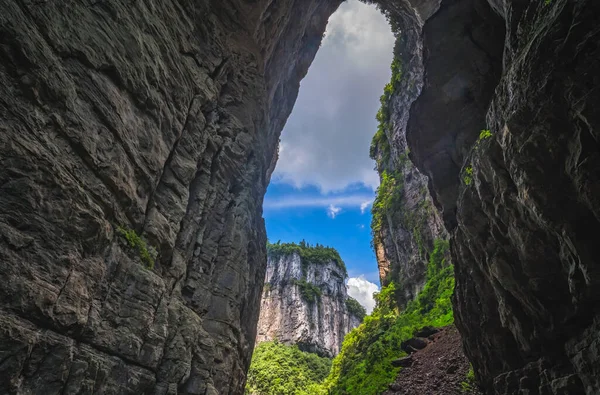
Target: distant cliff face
(305,302)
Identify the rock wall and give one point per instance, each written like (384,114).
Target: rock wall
(161,117)
(286,315)
(528,283)
(521,201)
(405,238)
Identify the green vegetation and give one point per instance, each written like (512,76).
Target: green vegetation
(380,143)
(387,200)
(277,369)
(310,292)
(485,134)
(147,254)
(308,254)
(364,364)
(469,384)
(468,176)
(355,308)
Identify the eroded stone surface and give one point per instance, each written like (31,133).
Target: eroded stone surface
(318,326)
(524,222)
(162,117)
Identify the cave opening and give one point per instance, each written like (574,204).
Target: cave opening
(425,126)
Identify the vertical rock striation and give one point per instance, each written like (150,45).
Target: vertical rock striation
(523,211)
(159,117)
(305,303)
(528,283)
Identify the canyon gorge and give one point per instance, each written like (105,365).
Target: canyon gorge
(138,138)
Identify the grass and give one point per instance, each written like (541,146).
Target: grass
(469,383)
(364,364)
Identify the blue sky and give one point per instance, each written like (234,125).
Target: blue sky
(324,181)
(335,219)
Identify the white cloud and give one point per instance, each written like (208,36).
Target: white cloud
(333,211)
(362,290)
(365,205)
(326,139)
(345,201)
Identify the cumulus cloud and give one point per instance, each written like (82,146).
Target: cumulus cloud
(345,201)
(326,139)
(333,211)
(362,290)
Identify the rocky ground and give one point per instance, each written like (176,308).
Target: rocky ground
(438,369)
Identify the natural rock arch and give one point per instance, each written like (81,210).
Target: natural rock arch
(164,118)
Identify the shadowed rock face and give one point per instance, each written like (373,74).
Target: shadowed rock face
(523,224)
(527,225)
(161,117)
(317,326)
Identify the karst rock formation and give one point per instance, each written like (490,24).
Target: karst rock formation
(304,303)
(137,140)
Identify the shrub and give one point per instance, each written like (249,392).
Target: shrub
(468,176)
(469,383)
(364,364)
(134,241)
(355,308)
(308,254)
(309,292)
(387,200)
(485,134)
(278,369)
(380,144)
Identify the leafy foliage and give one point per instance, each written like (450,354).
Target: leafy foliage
(469,383)
(134,241)
(380,144)
(364,364)
(485,134)
(277,369)
(468,176)
(355,308)
(308,254)
(310,292)
(388,198)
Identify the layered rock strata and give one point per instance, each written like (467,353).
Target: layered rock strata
(316,320)
(162,118)
(155,120)
(520,198)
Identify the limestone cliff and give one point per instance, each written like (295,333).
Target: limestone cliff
(305,302)
(405,222)
(161,119)
(141,134)
(497,100)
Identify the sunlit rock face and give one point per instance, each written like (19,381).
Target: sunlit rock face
(287,316)
(161,117)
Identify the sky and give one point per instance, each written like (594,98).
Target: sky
(325,182)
